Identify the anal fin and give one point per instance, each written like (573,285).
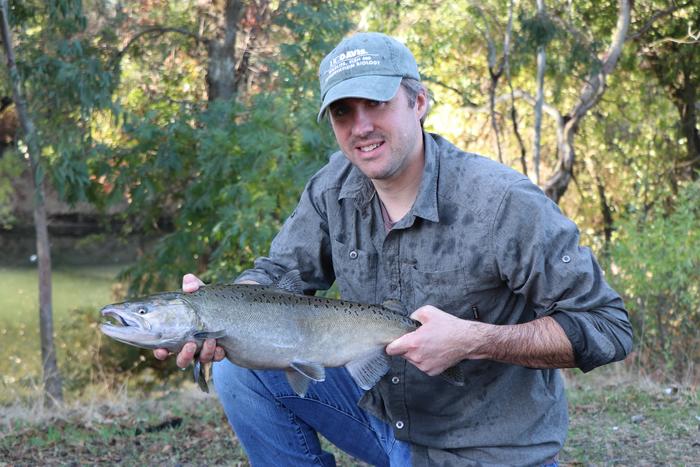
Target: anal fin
(369,369)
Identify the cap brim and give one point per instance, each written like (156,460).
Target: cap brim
(375,87)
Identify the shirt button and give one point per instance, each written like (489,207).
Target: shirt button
(399,424)
(353,254)
(395,380)
(566,258)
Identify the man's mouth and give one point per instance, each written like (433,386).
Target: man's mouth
(369,147)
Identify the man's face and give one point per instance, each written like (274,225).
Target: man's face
(379,138)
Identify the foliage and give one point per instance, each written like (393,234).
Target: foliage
(224,173)
(656,267)
(65,79)
(10,168)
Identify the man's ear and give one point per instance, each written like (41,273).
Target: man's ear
(421,104)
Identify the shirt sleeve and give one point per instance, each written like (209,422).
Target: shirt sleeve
(538,255)
(302,244)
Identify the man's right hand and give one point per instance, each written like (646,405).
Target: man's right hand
(209,351)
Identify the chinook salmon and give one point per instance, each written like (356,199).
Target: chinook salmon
(269,327)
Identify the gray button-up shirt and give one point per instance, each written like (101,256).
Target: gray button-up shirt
(480,242)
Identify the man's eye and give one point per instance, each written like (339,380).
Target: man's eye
(338,111)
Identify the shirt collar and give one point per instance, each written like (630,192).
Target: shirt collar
(361,189)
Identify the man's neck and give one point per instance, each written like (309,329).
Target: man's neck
(399,193)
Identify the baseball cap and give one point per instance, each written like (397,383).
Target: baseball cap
(367,65)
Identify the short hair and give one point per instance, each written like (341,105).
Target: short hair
(414,87)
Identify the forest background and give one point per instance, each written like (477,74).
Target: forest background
(189,128)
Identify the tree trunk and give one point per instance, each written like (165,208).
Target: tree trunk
(539,99)
(221,69)
(52,380)
(686,98)
(592,91)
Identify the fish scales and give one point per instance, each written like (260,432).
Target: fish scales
(266,327)
(282,327)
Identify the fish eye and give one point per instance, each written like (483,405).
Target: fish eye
(142,311)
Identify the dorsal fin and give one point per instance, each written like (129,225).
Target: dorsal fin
(291,282)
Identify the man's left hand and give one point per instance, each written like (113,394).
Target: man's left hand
(438,344)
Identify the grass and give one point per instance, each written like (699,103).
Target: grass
(620,418)
(617,418)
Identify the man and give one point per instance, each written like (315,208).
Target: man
(491,267)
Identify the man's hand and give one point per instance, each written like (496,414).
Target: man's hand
(209,352)
(443,340)
(437,345)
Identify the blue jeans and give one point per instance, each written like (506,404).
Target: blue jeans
(275,425)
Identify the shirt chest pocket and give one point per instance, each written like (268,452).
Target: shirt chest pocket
(355,272)
(446,290)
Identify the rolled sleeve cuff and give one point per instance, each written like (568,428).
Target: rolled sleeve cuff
(591,348)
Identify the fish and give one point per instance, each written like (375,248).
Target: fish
(269,327)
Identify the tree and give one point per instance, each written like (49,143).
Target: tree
(670,51)
(214,174)
(52,378)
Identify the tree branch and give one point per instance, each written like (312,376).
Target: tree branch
(158,31)
(656,16)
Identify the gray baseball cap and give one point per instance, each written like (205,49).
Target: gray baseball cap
(367,65)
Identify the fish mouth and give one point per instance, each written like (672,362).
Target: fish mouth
(129,328)
(121,319)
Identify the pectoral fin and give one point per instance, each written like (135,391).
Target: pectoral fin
(311,370)
(209,334)
(369,369)
(202,371)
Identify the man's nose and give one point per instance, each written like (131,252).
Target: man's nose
(362,122)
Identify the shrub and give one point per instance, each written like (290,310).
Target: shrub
(656,266)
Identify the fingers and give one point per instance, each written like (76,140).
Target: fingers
(190,283)
(209,352)
(206,355)
(161,354)
(424,313)
(186,355)
(401,345)
(219,354)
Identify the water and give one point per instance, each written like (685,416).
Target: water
(84,278)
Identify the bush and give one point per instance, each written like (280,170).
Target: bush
(656,266)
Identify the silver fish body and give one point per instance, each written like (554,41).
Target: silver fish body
(267,328)
(263,327)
